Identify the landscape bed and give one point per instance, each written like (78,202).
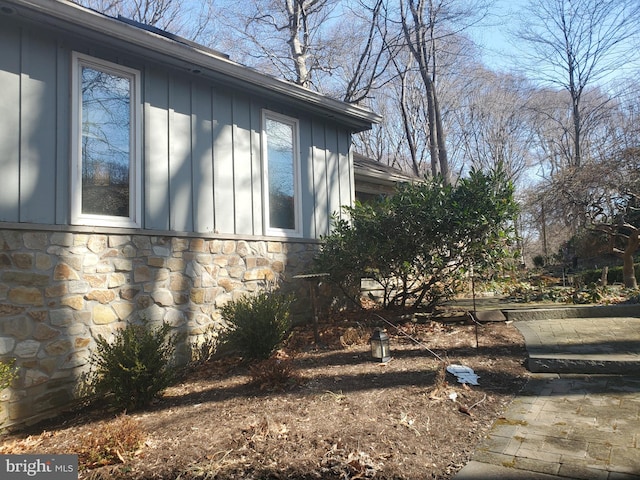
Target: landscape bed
(339,415)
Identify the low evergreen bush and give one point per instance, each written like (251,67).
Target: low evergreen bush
(614,275)
(257,324)
(135,367)
(7,373)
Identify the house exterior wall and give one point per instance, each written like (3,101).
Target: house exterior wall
(202,240)
(202,165)
(60,291)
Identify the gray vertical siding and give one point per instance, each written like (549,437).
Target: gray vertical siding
(63,139)
(346,180)
(28,126)
(156,153)
(10,53)
(308,181)
(202,145)
(38,130)
(180,159)
(320,178)
(202,169)
(223,162)
(242,165)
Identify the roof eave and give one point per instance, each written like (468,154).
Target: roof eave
(92,23)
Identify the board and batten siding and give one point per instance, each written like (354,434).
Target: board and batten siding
(202,165)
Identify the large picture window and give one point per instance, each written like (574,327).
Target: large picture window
(282,197)
(105,150)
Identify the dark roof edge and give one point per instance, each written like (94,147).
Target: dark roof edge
(384,174)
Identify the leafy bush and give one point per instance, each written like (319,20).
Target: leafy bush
(592,293)
(257,324)
(417,243)
(136,366)
(7,373)
(538,261)
(614,275)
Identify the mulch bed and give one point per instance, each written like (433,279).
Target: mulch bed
(337,415)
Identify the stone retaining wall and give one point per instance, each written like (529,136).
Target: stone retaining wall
(59,291)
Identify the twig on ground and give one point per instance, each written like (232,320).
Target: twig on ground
(478,402)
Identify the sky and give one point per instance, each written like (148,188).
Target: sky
(499,53)
(493,35)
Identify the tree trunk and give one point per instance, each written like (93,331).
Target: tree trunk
(629,272)
(442,143)
(298,50)
(603,278)
(406,123)
(628,267)
(577,153)
(433,136)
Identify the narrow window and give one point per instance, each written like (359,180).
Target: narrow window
(105,151)
(282,175)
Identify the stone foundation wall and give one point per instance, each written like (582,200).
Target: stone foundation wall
(59,291)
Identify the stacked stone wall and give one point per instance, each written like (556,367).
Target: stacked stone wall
(60,291)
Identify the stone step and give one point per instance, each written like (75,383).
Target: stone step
(583,364)
(588,345)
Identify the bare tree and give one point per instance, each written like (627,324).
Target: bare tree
(418,19)
(493,122)
(605,191)
(366,68)
(609,193)
(388,143)
(286,38)
(615,200)
(427,26)
(574,44)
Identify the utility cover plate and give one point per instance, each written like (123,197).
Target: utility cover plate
(463,373)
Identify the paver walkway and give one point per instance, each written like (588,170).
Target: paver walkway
(566,425)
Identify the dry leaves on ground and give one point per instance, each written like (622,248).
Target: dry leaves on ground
(342,416)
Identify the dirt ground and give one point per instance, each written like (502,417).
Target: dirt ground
(341,415)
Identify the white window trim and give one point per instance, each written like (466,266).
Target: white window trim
(293,122)
(135,173)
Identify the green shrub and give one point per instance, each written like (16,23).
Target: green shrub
(538,261)
(257,324)
(419,243)
(135,367)
(614,275)
(7,373)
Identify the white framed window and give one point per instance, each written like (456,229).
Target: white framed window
(281,163)
(106,159)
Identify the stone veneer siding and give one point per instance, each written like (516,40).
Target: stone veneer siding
(59,291)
